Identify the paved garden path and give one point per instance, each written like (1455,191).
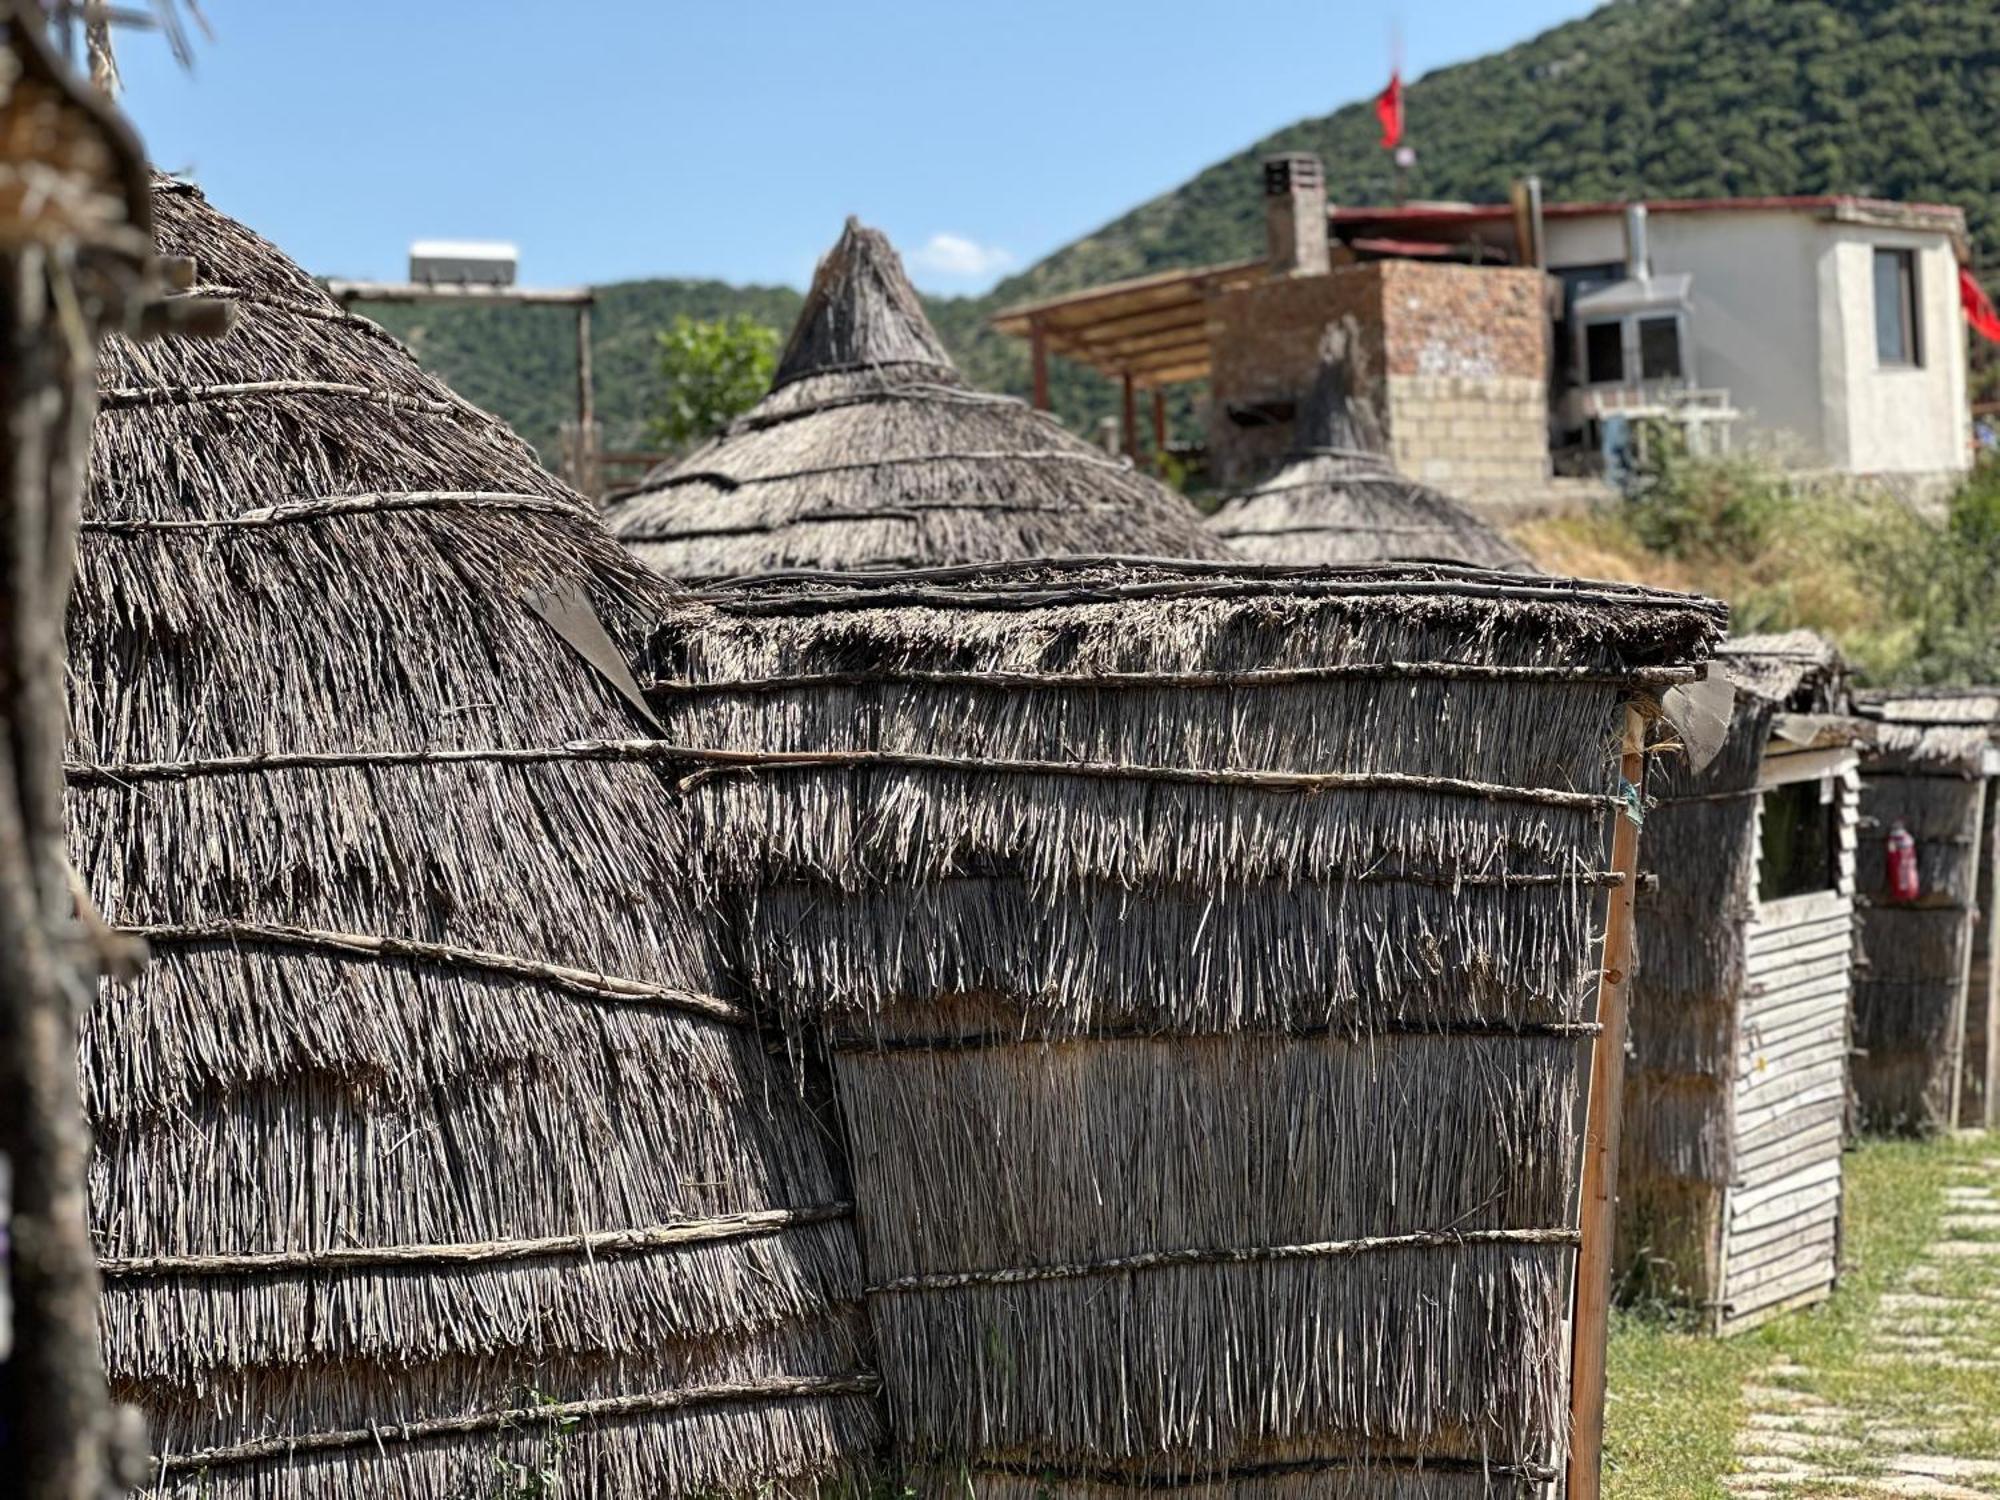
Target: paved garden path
(1930,1370)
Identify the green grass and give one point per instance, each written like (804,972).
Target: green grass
(1675,1397)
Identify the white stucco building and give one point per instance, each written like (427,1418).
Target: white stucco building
(1825,331)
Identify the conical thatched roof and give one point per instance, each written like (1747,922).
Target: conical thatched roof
(426,1144)
(871,451)
(1338,499)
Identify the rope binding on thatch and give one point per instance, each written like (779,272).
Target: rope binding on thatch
(588,1245)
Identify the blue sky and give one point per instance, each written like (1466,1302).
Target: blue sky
(614,139)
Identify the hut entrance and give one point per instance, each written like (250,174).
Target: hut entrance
(1788,1102)
(1736,1108)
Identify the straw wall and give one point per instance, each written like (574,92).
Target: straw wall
(1909,1004)
(1207,960)
(1677,1150)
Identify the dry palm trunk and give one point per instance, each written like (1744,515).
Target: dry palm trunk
(73,260)
(55,1393)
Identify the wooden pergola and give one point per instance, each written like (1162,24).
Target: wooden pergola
(1146,334)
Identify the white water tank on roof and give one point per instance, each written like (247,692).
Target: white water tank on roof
(463,262)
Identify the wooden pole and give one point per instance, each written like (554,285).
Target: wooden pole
(1038,347)
(586,477)
(1159,428)
(1128,427)
(1599,1204)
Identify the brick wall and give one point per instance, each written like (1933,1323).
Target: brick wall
(1455,363)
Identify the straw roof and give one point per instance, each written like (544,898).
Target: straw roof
(871,451)
(1338,498)
(1202,950)
(430,1141)
(1799,671)
(1936,729)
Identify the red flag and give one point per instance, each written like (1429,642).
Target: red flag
(1389,110)
(1978,306)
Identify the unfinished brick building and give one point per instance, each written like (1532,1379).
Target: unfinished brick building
(1453,355)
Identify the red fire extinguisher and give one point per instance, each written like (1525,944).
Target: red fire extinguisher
(1904,881)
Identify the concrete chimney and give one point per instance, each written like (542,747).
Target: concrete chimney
(1295,224)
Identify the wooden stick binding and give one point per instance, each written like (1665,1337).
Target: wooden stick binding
(776,1388)
(136,398)
(1385,671)
(713,762)
(1197,1477)
(1598,1200)
(325,507)
(583,982)
(603,1242)
(997,456)
(993,1040)
(294,307)
(1424,1239)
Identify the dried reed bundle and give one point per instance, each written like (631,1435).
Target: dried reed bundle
(1338,498)
(871,451)
(434,1138)
(1207,955)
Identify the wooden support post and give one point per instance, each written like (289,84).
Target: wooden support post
(1128,428)
(1159,429)
(586,477)
(1038,353)
(1599,1203)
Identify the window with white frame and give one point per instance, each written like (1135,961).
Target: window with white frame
(1897,345)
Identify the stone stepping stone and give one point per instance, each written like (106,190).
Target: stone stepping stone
(1801,1445)
(1806,1419)
(1777,1395)
(1770,1466)
(1965,1249)
(1943,1466)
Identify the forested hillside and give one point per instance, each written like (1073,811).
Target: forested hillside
(1661,97)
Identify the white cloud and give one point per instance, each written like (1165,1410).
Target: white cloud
(960,259)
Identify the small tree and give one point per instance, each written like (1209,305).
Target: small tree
(710,370)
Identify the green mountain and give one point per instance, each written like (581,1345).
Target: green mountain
(1680,98)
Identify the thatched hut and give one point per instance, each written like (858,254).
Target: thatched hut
(872,451)
(1924,1012)
(1729,1190)
(1338,498)
(1209,958)
(432,1154)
